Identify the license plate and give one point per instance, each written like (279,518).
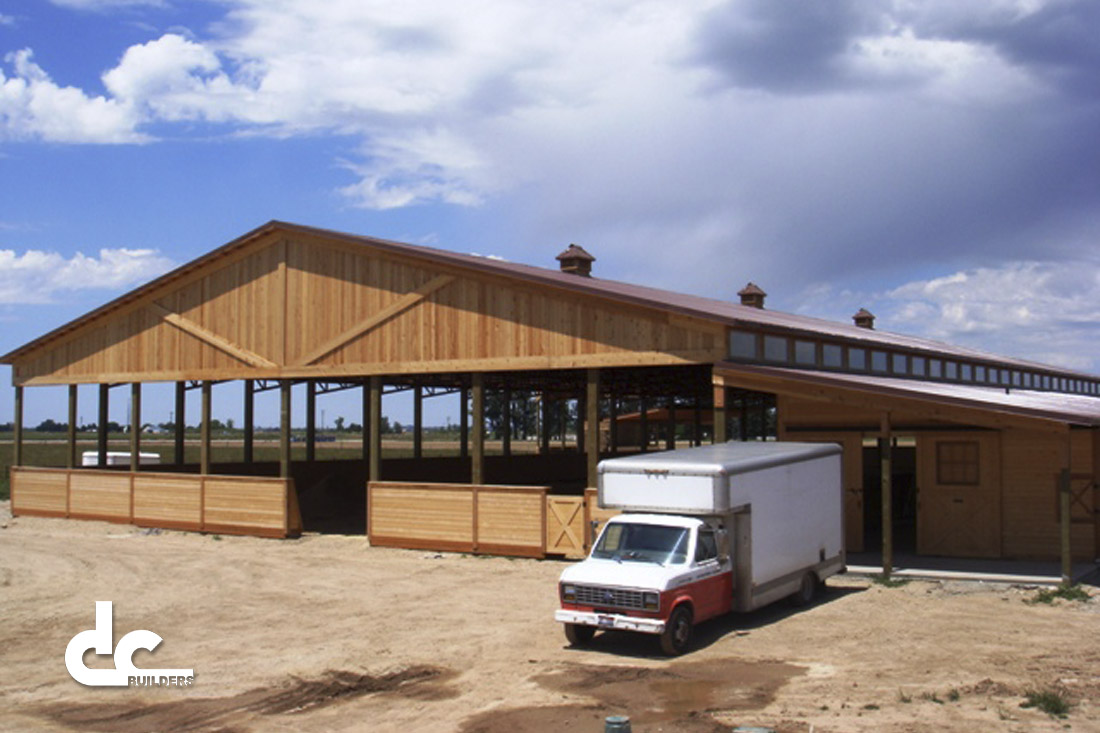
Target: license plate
(605,621)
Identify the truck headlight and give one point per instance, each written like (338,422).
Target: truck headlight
(652,602)
(568,593)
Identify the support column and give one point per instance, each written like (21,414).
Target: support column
(477,459)
(719,434)
(135,427)
(670,437)
(374,461)
(101,426)
(284,428)
(506,430)
(582,413)
(366,421)
(886,449)
(1064,509)
(70,458)
(592,418)
(613,423)
(17,428)
(418,421)
(181,421)
(249,419)
(643,422)
(464,423)
(311,421)
(544,422)
(204,429)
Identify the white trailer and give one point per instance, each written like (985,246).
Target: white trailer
(707,530)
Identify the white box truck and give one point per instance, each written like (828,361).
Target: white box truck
(706,531)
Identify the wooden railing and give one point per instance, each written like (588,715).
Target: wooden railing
(249,505)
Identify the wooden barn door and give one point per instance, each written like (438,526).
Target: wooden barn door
(959,494)
(565,520)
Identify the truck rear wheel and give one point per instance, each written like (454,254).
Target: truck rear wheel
(807,589)
(677,633)
(579,634)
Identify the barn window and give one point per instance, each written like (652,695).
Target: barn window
(775,349)
(743,345)
(805,352)
(957,463)
(857,360)
(832,356)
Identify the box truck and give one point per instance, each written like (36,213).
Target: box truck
(705,531)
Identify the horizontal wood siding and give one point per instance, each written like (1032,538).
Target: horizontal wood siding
(249,505)
(168,501)
(39,492)
(99,495)
(499,520)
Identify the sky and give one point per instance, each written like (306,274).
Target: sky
(935,162)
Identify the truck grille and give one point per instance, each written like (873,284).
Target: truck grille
(596,596)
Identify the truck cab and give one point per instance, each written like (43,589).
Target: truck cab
(650,573)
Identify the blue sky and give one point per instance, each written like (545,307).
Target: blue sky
(937,163)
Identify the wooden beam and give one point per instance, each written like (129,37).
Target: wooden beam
(366,421)
(284,428)
(70,458)
(544,423)
(181,422)
(592,417)
(506,427)
(464,423)
(135,427)
(211,338)
(101,426)
(374,462)
(719,433)
(204,428)
(477,459)
(394,309)
(311,421)
(249,419)
(886,450)
(17,427)
(418,421)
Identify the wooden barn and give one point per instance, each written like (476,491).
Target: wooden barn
(948,451)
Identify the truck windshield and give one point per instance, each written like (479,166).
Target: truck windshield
(642,543)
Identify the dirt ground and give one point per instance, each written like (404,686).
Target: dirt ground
(327,633)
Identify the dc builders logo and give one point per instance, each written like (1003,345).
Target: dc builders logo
(125,674)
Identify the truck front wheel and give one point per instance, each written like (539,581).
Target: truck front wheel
(677,633)
(579,634)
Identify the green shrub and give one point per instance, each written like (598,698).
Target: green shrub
(1051,702)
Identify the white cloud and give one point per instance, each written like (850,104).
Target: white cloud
(32,106)
(44,277)
(6,19)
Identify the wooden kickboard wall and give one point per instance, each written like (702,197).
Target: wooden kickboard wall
(248,505)
(492,520)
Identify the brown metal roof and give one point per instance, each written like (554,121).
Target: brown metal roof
(728,313)
(1064,408)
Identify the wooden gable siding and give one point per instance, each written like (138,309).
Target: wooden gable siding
(274,309)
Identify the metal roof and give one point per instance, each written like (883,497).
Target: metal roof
(727,313)
(1056,406)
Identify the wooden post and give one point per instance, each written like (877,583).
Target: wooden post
(101,427)
(582,413)
(70,459)
(311,421)
(506,430)
(592,433)
(670,436)
(719,434)
(204,429)
(17,428)
(885,447)
(643,422)
(366,421)
(284,428)
(418,421)
(181,421)
(374,462)
(613,424)
(464,423)
(249,419)
(477,460)
(1064,510)
(544,421)
(135,427)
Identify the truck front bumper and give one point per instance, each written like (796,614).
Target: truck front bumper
(612,621)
